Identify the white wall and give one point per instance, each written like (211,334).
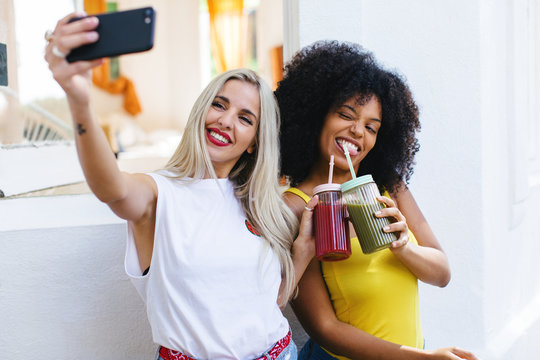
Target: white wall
(472,68)
(63,290)
(511,163)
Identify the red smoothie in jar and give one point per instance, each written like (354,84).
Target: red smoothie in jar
(332,241)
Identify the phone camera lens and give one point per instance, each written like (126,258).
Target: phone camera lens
(148,12)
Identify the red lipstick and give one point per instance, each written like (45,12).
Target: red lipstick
(215,141)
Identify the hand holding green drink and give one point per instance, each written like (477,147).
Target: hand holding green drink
(360,197)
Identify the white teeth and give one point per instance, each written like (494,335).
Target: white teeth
(350,146)
(218,137)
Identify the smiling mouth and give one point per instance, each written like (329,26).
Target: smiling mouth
(216,138)
(352,148)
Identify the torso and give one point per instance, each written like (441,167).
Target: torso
(363,290)
(209,293)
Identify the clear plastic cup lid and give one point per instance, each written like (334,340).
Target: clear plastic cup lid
(356,182)
(326,187)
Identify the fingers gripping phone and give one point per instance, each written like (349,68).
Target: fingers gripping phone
(121,32)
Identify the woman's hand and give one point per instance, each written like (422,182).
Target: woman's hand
(303,248)
(451,353)
(399,225)
(74,78)
(304,244)
(425,260)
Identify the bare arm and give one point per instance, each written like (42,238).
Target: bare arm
(427,261)
(303,248)
(129,196)
(313,308)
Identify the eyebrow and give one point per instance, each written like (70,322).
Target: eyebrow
(247,111)
(354,111)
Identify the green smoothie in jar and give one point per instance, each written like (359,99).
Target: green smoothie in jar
(360,197)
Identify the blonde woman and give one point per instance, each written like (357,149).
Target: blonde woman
(210,240)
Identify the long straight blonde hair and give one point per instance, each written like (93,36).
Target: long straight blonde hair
(255,176)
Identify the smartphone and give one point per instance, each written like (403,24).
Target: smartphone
(121,32)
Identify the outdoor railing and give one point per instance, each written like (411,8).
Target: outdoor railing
(39,124)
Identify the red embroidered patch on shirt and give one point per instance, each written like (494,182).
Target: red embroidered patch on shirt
(251,228)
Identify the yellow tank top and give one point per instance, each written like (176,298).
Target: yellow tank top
(375,293)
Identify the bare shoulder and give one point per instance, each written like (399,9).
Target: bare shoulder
(406,203)
(140,199)
(295,203)
(147,180)
(150,190)
(415,218)
(143,186)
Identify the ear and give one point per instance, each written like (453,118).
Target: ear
(251,148)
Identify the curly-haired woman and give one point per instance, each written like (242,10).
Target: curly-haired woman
(336,95)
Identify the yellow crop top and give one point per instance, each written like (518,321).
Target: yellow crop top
(375,293)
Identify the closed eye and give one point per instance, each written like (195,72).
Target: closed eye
(371,129)
(218,105)
(246,120)
(345,116)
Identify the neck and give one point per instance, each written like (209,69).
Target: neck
(219,175)
(221,171)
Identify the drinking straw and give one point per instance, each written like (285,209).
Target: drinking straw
(331,171)
(349,162)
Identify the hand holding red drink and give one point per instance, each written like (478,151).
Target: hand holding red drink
(331,227)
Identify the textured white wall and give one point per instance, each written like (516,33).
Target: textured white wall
(511,113)
(63,291)
(471,66)
(56,163)
(439,56)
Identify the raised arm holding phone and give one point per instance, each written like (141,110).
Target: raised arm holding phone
(212,257)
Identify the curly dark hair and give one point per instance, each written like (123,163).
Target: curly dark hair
(326,74)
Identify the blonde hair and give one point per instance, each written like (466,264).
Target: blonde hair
(255,176)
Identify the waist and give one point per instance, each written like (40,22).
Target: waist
(270,354)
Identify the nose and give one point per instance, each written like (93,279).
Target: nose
(226,120)
(357,129)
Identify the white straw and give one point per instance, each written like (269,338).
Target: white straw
(349,162)
(331,171)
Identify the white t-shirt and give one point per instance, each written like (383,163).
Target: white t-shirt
(212,288)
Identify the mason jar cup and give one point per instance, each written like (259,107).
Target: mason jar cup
(360,198)
(332,241)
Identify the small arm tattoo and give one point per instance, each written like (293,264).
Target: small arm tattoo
(80,129)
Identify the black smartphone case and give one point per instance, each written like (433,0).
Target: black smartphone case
(121,32)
